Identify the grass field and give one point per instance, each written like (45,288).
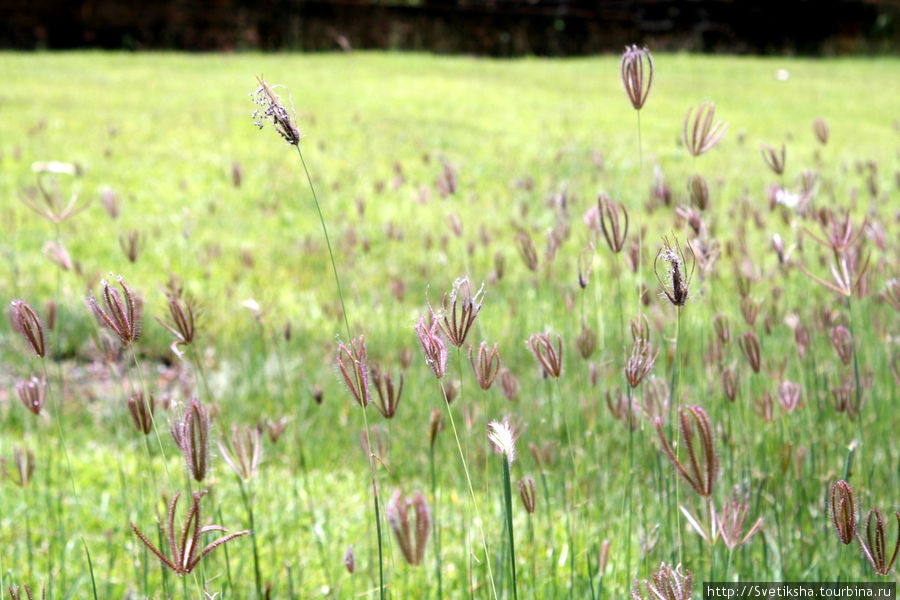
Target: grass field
(428,169)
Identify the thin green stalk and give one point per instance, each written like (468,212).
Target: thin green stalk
(248,504)
(462,457)
(436,526)
(507,494)
(337,282)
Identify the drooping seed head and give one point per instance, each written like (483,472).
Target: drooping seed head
(527,493)
(270,108)
(637,74)
(352,364)
(486,366)
(749,345)
(120,313)
(665,583)
(549,357)
(702,136)
(411,537)
(141,410)
(245,451)
(843,511)
(699,462)
(773,158)
(191,435)
(433,346)
(33,393)
(26,322)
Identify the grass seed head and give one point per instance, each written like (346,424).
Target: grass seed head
(191,435)
(699,462)
(120,313)
(843,511)
(33,393)
(23,467)
(502,436)
(613,222)
(636,69)
(820,129)
(527,493)
(25,321)
(548,355)
(141,410)
(388,394)
(702,136)
(353,366)
(269,107)
(874,544)
(774,159)
(244,452)
(487,366)
(411,536)
(665,583)
(749,345)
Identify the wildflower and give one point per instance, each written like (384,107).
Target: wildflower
(633,67)
(184,543)
(412,543)
(271,108)
(26,322)
(703,135)
(121,313)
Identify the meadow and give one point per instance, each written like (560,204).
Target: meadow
(701,418)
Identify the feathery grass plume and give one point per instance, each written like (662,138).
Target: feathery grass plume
(550,358)
(51,205)
(191,435)
(789,395)
(502,437)
(185,546)
(773,158)
(820,129)
(842,342)
(843,511)
(353,365)
(141,409)
(244,452)
(676,274)
(527,493)
(635,63)
(15,592)
(33,393)
(701,465)
(749,345)
(613,222)
(270,108)
(460,308)
(730,520)
(699,191)
(703,134)
(411,539)
(24,320)
(586,341)
(120,313)
(182,312)
(665,583)
(874,547)
(388,394)
(509,384)
(487,366)
(433,346)
(23,467)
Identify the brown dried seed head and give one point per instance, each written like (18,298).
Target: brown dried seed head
(33,393)
(820,129)
(548,356)
(637,74)
(843,511)
(703,135)
(460,308)
(388,394)
(874,545)
(120,313)
(613,222)
(773,158)
(352,364)
(141,411)
(749,345)
(270,108)
(842,342)
(26,322)
(245,451)
(699,191)
(586,341)
(527,493)
(486,366)
(665,583)
(191,435)
(433,346)
(699,463)
(411,537)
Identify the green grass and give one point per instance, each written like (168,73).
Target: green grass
(163,131)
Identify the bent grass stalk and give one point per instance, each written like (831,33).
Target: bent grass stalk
(337,281)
